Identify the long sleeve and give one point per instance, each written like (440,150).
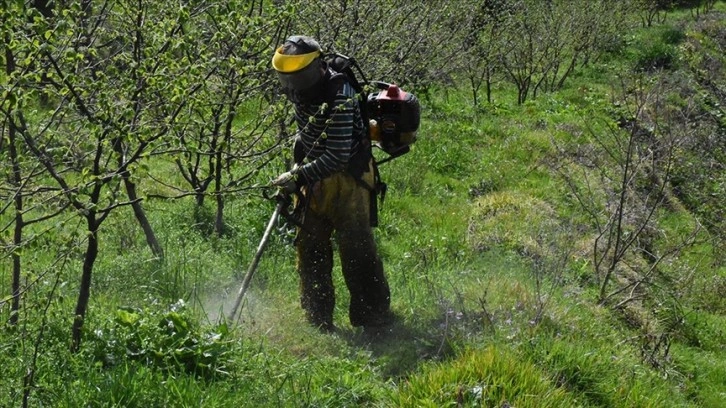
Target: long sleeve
(329,136)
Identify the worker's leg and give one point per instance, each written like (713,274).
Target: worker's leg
(370,296)
(315,265)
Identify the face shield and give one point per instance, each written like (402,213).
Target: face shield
(297,72)
(302,79)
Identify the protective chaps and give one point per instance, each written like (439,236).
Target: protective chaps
(340,205)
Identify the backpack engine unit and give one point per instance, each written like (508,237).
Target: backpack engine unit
(394,116)
(391,114)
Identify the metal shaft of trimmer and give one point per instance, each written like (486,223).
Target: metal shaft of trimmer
(256,260)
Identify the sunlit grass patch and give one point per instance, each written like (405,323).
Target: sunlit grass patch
(490,377)
(600,372)
(705,373)
(510,220)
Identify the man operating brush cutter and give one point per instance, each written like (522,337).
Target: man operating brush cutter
(334,180)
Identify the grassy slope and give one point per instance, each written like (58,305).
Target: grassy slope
(473,219)
(579,348)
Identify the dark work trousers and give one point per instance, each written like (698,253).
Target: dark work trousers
(339,204)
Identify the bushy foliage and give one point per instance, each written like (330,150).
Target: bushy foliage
(657,49)
(167,340)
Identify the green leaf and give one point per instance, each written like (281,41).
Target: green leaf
(127,317)
(177,321)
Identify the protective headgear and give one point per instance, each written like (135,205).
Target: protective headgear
(297,63)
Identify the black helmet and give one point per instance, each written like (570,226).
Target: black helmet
(298,63)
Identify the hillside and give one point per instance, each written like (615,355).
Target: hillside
(562,251)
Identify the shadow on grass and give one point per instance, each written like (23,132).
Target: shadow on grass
(401,347)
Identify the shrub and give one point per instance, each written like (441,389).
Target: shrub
(657,49)
(168,340)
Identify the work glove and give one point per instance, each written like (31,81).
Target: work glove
(286,181)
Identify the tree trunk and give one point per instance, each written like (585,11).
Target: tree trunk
(140,214)
(199,197)
(84,293)
(489,85)
(17,180)
(219,218)
(19,224)
(472,83)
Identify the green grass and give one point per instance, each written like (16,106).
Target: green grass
(490,377)
(489,259)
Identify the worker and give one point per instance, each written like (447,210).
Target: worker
(334,176)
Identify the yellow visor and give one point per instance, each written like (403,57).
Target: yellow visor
(291,63)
